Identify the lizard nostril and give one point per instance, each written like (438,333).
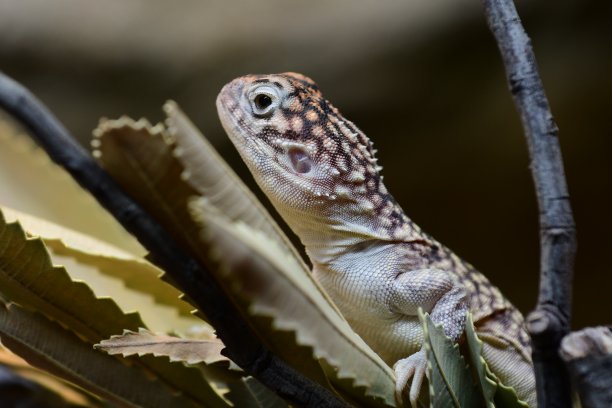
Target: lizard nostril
(300,161)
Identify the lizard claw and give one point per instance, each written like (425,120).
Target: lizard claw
(415,367)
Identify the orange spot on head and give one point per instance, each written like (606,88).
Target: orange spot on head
(312,116)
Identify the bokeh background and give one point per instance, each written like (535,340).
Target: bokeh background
(422,78)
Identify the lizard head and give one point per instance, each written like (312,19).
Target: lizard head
(301,151)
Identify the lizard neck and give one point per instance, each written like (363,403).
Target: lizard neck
(345,225)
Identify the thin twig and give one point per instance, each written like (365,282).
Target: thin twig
(550,321)
(242,346)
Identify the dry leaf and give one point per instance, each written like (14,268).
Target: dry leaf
(190,351)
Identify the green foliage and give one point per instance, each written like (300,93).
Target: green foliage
(450,381)
(457,383)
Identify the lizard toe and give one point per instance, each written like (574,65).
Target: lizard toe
(413,367)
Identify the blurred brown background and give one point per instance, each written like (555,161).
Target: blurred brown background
(422,78)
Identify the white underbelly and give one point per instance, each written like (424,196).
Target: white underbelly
(392,341)
(391,335)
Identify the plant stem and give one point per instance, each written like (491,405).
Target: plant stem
(550,321)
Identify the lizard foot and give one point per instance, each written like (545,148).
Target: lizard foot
(415,367)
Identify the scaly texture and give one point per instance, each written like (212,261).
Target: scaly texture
(320,172)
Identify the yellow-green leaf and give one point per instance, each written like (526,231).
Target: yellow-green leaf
(138,156)
(506,396)
(27,277)
(451,384)
(46,345)
(30,181)
(487,385)
(207,172)
(131,281)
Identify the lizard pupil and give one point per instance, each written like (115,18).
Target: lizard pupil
(262,101)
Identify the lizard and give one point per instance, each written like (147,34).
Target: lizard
(321,174)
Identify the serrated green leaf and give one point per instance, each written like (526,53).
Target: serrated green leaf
(27,277)
(30,181)
(212,177)
(139,157)
(505,396)
(270,285)
(46,345)
(156,316)
(450,380)
(137,274)
(486,384)
(132,282)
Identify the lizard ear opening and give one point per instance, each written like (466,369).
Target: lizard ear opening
(300,161)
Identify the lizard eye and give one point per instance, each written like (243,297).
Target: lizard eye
(264,100)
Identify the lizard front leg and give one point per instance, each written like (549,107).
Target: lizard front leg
(435,292)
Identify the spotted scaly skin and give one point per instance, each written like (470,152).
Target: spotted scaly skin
(320,172)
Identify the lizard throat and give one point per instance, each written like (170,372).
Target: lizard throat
(341,227)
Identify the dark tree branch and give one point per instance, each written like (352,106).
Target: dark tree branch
(550,321)
(242,346)
(588,355)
